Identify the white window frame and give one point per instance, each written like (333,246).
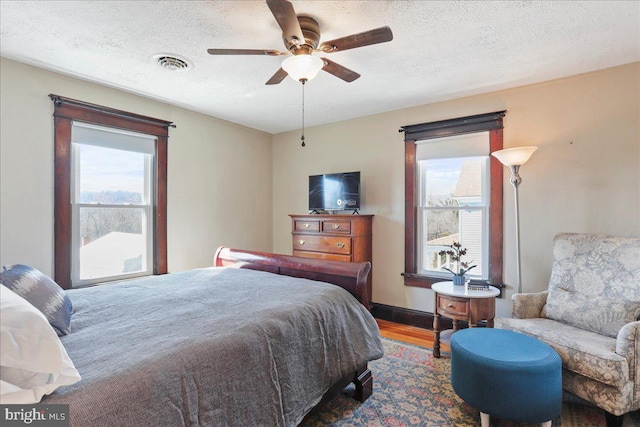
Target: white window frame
(483,207)
(146,206)
(464,146)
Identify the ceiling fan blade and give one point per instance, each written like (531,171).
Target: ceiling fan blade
(277,77)
(339,71)
(245,52)
(286,16)
(379,35)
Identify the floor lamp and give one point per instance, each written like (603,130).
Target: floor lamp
(514,158)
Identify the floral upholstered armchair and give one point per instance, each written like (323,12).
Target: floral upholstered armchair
(590,315)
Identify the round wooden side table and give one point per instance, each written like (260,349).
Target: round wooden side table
(458,302)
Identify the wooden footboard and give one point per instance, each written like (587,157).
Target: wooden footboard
(351,276)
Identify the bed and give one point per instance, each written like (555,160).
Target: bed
(259,339)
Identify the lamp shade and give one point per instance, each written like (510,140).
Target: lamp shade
(302,67)
(514,156)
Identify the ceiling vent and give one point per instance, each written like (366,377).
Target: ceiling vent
(173,62)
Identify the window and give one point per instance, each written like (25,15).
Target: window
(453,205)
(453,192)
(112,215)
(110,210)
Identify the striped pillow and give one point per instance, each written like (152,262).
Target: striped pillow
(42,292)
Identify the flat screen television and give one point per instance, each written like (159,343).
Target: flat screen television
(334,191)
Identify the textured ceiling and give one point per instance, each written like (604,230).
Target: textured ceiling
(441,50)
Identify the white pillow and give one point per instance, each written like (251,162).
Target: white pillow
(33,361)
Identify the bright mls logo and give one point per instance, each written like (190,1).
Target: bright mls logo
(34,415)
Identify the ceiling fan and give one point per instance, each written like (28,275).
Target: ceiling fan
(301,36)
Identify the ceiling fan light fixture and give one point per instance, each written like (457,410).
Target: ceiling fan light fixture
(302,67)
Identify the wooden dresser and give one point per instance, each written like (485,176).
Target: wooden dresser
(333,237)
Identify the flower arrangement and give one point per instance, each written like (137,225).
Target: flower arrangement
(456,253)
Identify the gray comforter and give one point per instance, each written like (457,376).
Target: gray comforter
(211,347)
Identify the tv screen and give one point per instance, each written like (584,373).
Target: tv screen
(335,191)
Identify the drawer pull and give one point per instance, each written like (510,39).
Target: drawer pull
(301,242)
(450,305)
(340,245)
(307,225)
(335,227)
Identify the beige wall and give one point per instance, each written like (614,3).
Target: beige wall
(219,174)
(230,185)
(585,177)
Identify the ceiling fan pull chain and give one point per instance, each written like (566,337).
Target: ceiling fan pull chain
(303,81)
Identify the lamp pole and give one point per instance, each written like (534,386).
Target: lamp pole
(515,181)
(514,158)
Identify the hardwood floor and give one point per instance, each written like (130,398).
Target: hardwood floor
(409,334)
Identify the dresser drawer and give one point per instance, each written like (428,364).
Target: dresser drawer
(336,227)
(322,255)
(336,245)
(453,306)
(306,226)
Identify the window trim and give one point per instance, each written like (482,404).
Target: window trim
(66,110)
(491,122)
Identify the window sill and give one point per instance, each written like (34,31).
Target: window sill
(112,281)
(423,281)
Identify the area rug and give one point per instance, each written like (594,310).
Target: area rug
(412,388)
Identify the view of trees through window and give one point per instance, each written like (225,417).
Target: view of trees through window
(98,222)
(442,223)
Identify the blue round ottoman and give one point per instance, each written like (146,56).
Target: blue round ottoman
(507,375)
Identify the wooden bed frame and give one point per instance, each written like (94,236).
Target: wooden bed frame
(348,275)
